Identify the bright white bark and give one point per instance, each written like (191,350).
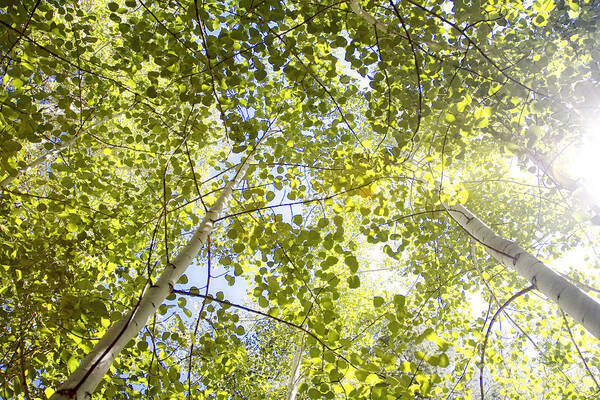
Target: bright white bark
(567,296)
(355,6)
(54,152)
(83,381)
(295,377)
(358,10)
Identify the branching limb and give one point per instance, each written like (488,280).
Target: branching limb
(208,276)
(417,69)
(585,364)
(489,330)
(250,310)
(7,54)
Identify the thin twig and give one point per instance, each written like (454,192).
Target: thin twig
(250,310)
(189,377)
(417,69)
(7,54)
(489,330)
(585,364)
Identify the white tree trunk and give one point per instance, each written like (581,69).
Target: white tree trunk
(83,381)
(567,296)
(54,152)
(357,9)
(295,376)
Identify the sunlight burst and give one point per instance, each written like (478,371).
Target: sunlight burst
(581,163)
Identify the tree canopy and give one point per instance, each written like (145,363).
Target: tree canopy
(307,152)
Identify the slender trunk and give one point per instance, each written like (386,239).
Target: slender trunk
(380,26)
(53,153)
(567,296)
(83,381)
(357,9)
(295,376)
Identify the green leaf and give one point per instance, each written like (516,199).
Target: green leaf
(314,394)
(443,360)
(428,333)
(329,262)
(71,227)
(399,302)
(353,282)
(260,75)
(264,303)
(72,363)
(238,270)
(352,263)
(151,92)
(540,20)
(378,301)
(238,247)
(362,375)
(297,219)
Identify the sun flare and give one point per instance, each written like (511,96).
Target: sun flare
(581,163)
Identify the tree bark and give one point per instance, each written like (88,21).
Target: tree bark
(567,296)
(83,381)
(357,9)
(295,376)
